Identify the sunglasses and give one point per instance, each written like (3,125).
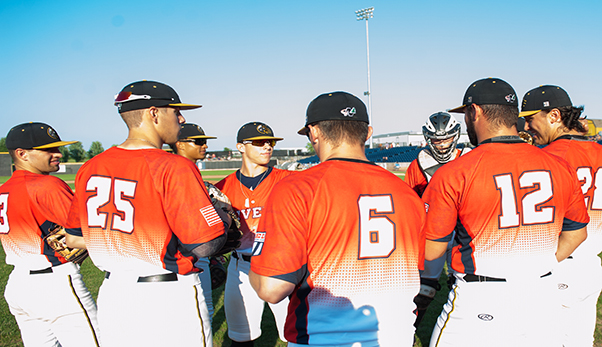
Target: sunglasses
(128,96)
(198,142)
(260,143)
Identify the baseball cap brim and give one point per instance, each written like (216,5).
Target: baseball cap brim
(264,138)
(185,106)
(55,144)
(199,137)
(459,109)
(303,131)
(527,113)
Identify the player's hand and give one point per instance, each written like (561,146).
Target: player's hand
(225,216)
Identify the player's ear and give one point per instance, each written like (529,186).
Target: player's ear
(21,154)
(180,146)
(554,116)
(314,132)
(370,132)
(240,147)
(153,113)
(475,111)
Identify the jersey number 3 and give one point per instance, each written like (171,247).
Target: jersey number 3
(4,227)
(123,191)
(377,232)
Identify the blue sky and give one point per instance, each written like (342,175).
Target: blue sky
(62,62)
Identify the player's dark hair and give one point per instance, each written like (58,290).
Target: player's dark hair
(132,119)
(339,131)
(570,116)
(173,147)
(500,115)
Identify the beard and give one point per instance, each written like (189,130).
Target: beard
(472,134)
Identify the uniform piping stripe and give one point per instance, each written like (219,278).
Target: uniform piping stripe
(85,312)
(211,217)
(447,319)
(198,311)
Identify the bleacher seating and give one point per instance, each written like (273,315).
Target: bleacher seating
(379,155)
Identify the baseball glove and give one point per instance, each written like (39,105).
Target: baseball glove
(220,200)
(217,269)
(56,240)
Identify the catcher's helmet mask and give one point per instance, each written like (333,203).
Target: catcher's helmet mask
(441,126)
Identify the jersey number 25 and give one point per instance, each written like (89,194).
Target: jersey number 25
(123,190)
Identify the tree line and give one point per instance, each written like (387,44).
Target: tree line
(74,151)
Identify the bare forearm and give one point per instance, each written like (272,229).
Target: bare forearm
(568,241)
(270,289)
(73,241)
(434,249)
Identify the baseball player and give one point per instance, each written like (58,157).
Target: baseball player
(515,219)
(441,132)
(192,144)
(146,218)
(248,190)
(341,239)
(44,291)
(554,121)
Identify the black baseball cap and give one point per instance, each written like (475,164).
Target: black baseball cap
(488,91)
(544,98)
(192,131)
(335,106)
(144,94)
(34,135)
(256,131)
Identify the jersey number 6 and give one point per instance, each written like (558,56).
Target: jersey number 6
(123,190)
(377,232)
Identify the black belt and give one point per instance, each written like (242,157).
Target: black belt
(47,270)
(170,277)
(244,256)
(477,278)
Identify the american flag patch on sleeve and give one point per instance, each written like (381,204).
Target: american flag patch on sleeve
(211,217)
(258,243)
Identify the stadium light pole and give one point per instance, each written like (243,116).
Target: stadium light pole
(365,14)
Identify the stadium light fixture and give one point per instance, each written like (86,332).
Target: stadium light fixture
(365,14)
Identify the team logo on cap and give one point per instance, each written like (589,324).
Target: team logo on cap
(546,104)
(52,133)
(510,97)
(469,99)
(262,130)
(348,112)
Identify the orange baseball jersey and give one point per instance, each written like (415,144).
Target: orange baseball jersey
(347,233)
(239,195)
(510,200)
(141,210)
(586,159)
(30,204)
(416,178)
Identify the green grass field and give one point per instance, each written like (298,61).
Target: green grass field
(10,335)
